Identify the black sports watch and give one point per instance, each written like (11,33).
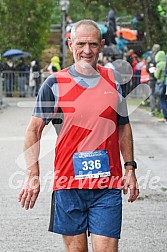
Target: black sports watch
(131,163)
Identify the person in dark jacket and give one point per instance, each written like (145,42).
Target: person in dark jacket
(8,73)
(21,68)
(37,76)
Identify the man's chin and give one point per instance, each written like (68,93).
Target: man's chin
(88,66)
(86,63)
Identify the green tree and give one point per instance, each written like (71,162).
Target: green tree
(25,24)
(153,23)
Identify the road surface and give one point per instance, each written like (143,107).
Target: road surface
(144,222)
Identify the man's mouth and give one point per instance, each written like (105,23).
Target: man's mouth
(86,58)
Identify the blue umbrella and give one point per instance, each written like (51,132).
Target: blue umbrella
(23,55)
(12,53)
(102,27)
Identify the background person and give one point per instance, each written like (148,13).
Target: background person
(107,62)
(54,65)
(150,66)
(8,70)
(159,74)
(22,77)
(34,77)
(88,173)
(121,43)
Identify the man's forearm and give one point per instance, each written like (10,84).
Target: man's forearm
(31,152)
(126,142)
(32,146)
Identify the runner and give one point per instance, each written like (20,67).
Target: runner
(85,105)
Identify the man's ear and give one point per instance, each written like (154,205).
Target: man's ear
(102,44)
(70,45)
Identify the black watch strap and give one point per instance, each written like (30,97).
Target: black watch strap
(131,163)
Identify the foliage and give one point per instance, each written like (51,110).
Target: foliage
(25,24)
(152,24)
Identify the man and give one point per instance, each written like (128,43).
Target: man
(84,108)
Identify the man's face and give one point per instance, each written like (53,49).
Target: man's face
(86,45)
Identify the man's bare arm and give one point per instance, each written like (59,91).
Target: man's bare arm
(126,147)
(31,187)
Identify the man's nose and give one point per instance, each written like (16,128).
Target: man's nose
(87,48)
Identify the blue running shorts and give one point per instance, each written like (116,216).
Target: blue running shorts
(75,211)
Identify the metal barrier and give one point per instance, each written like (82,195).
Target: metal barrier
(18,84)
(15,83)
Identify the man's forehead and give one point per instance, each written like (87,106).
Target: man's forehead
(89,33)
(85,29)
(86,37)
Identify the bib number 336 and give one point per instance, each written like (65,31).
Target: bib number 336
(91,165)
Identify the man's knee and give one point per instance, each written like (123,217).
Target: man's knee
(102,243)
(76,243)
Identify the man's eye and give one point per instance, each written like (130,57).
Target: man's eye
(94,44)
(80,44)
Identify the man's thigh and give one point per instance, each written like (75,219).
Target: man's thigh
(76,243)
(103,243)
(105,214)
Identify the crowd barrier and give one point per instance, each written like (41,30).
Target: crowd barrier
(15,83)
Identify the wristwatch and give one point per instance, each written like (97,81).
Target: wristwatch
(131,163)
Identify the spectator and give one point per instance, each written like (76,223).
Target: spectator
(109,36)
(121,43)
(31,79)
(160,76)
(150,67)
(132,58)
(21,68)
(37,76)
(107,63)
(68,23)
(138,24)
(1,66)
(112,19)
(9,69)
(54,65)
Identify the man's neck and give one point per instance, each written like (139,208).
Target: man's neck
(85,68)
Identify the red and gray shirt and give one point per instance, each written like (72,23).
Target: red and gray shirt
(84,111)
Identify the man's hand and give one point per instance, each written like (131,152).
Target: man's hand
(130,182)
(29,192)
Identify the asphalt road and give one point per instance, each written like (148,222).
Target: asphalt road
(144,222)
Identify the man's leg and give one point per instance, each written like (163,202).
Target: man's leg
(76,243)
(102,243)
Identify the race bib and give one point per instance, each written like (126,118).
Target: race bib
(91,164)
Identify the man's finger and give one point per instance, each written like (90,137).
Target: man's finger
(27,200)
(125,186)
(133,194)
(20,195)
(23,198)
(125,189)
(33,198)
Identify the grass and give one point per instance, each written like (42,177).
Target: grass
(144,104)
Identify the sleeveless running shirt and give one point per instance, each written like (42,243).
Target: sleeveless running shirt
(87,151)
